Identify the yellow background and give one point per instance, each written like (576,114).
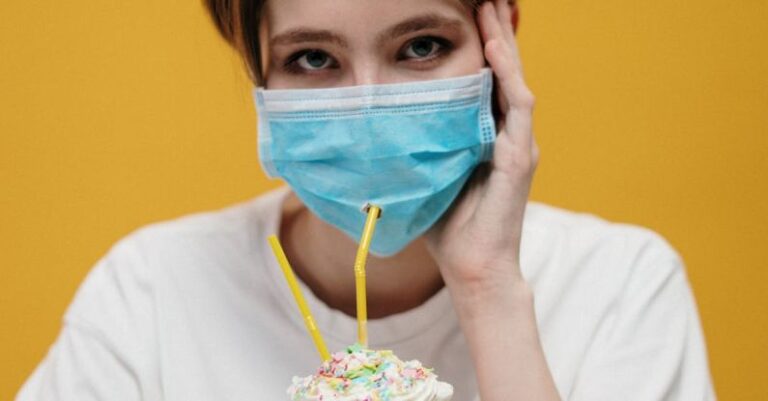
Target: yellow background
(116,114)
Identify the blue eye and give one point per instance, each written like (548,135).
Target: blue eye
(314,60)
(424,47)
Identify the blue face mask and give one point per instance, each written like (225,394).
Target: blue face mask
(408,148)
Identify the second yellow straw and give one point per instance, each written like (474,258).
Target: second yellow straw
(362,254)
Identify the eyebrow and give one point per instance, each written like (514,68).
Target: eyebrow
(300,35)
(418,23)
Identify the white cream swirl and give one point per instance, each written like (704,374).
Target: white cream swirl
(360,374)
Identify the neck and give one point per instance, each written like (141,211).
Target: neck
(323,257)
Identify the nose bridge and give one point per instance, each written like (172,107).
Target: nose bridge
(367,72)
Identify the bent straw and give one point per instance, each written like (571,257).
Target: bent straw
(362,253)
(282,260)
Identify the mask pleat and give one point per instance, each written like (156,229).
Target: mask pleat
(409,148)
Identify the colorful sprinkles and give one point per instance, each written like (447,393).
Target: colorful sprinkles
(360,374)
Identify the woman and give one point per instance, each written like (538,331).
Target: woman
(195,309)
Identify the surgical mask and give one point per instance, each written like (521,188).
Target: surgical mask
(408,148)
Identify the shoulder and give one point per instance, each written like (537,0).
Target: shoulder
(592,259)
(616,312)
(189,248)
(587,234)
(234,222)
(204,240)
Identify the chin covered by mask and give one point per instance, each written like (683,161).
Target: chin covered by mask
(408,148)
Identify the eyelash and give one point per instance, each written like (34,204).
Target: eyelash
(444,48)
(292,65)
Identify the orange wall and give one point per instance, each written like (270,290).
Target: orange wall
(116,114)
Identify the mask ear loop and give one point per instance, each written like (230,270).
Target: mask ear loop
(374,213)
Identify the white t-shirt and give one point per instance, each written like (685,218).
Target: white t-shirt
(197,309)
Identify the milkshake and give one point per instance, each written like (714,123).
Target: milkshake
(361,374)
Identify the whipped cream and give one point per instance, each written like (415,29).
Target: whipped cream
(361,374)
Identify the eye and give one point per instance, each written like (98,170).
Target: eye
(312,60)
(425,47)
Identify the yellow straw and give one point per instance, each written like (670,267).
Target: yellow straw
(303,307)
(362,253)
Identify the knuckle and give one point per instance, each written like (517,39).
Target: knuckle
(535,162)
(523,161)
(491,46)
(527,99)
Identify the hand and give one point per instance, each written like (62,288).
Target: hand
(477,245)
(478,241)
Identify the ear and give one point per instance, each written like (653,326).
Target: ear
(515,16)
(264,49)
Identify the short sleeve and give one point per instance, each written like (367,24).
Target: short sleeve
(106,349)
(653,348)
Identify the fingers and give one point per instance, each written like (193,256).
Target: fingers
(484,15)
(504,16)
(505,50)
(493,36)
(495,21)
(517,101)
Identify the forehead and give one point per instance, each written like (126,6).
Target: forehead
(357,19)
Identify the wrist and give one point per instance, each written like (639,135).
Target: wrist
(492,296)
